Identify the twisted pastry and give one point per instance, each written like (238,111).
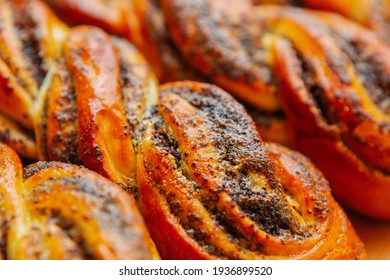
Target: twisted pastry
(29,37)
(83,91)
(337,98)
(222,40)
(215,196)
(94,103)
(60,211)
(333,77)
(225,42)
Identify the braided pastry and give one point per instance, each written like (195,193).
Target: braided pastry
(215,196)
(60,211)
(94,103)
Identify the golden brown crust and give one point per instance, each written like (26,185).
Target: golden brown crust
(29,38)
(333,77)
(104,142)
(60,211)
(144,25)
(336,94)
(222,41)
(57,126)
(142,22)
(227,44)
(94,103)
(218,197)
(148,31)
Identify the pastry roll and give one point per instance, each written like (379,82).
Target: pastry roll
(336,98)
(30,36)
(53,210)
(210,188)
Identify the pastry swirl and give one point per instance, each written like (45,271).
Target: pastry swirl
(216,196)
(340,104)
(29,37)
(61,211)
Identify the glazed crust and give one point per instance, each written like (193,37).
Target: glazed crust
(212,37)
(340,102)
(142,22)
(29,37)
(94,104)
(226,43)
(61,211)
(218,197)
